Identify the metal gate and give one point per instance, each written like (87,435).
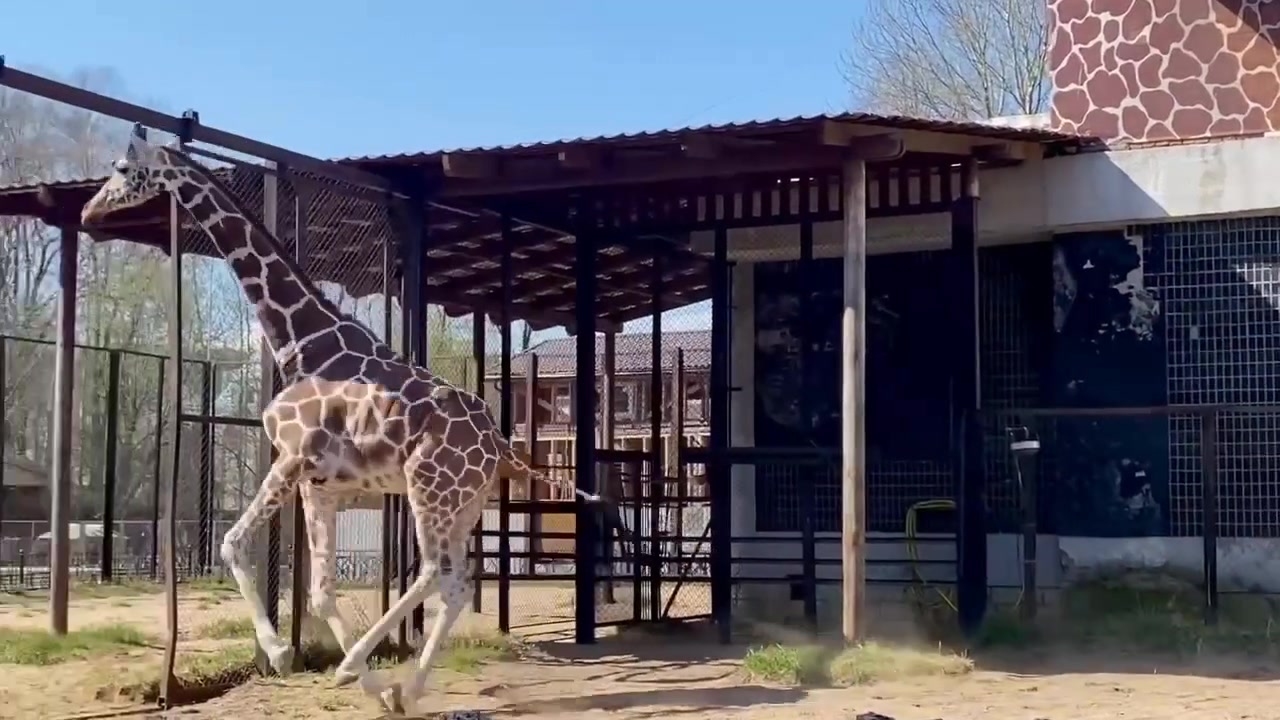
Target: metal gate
(655,542)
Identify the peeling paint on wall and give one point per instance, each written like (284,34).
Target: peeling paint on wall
(1109,475)
(1143,306)
(1064,289)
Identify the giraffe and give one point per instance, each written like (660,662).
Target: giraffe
(352,418)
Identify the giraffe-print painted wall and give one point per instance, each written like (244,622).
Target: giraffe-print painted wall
(1164,70)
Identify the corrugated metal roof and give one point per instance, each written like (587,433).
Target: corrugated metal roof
(992,130)
(997,129)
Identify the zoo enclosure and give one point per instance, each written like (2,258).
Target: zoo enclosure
(602,232)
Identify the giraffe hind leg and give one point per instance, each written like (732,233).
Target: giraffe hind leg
(322,530)
(442,535)
(274,491)
(454,594)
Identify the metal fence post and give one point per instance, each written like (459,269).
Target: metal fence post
(110,440)
(4,411)
(208,385)
(157,470)
(1209,506)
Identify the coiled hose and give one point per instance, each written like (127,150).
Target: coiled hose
(921,585)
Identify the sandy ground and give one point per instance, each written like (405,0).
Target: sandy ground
(643,676)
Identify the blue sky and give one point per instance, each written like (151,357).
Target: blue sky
(404,76)
(401,76)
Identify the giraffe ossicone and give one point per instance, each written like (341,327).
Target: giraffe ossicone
(352,418)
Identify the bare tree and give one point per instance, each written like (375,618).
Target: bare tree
(949,59)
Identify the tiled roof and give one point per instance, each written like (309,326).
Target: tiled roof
(558,357)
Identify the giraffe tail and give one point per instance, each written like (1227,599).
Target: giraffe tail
(516,465)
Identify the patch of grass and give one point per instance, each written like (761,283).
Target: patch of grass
(788,664)
(1163,616)
(209,584)
(38,647)
(873,662)
(466,653)
(798,665)
(228,628)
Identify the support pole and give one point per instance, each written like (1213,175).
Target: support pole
(971,587)
(63,394)
(507,420)
(534,547)
(157,471)
(4,412)
(585,448)
(204,538)
(388,506)
(413,333)
(1209,506)
(853,402)
(807,471)
(608,472)
(657,460)
(111,440)
(300,552)
(477,538)
(721,499)
(169,534)
(267,549)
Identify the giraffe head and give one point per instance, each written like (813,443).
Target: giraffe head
(135,178)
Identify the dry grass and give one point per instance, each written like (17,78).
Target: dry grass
(39,647)
(844,667)
(1154,614)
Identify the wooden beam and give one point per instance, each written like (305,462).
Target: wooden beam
(1000,153)
(470,166)
(778,158)
(580,157)
(701,146)
(880,147)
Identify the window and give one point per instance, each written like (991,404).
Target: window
(624,405)
(561,405)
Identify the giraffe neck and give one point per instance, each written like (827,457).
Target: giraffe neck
(292,311)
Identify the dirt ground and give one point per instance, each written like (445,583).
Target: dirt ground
(643,676)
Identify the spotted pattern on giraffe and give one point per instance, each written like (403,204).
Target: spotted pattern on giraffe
(352,418)
(1164,70)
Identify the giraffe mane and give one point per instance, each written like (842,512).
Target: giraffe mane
(187,164)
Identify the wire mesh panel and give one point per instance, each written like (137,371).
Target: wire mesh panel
(1220,292)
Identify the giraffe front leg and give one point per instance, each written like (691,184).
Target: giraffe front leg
(275,490)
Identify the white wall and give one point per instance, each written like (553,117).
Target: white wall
(1077,192)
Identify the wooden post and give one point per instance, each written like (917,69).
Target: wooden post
(267,547)
(971,538)
(852,400)
(607,434)
(63,392)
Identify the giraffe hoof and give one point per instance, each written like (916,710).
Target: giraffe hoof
(281,659)
(343,678)
(393,700)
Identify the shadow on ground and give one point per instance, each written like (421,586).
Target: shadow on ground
(666,702)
